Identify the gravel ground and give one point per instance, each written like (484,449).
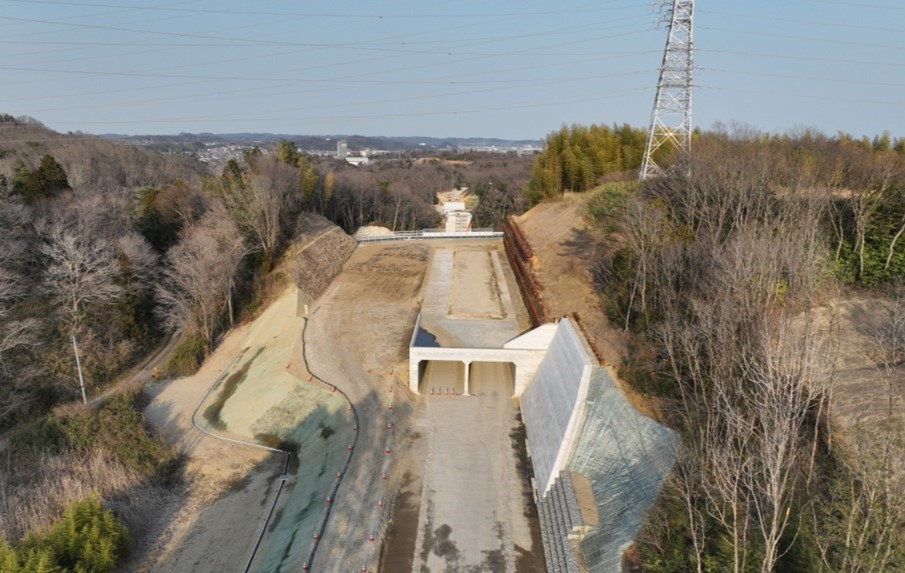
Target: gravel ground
(357,338)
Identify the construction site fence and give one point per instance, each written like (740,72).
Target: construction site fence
(481,233)
(519,253)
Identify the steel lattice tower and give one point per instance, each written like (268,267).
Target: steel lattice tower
(670,120)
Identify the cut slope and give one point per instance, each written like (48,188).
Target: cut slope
(867,389)
(564,247)
(320,252)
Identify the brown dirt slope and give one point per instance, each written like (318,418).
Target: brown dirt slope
(564,248)
(214,524)
(319,255)
(864,392)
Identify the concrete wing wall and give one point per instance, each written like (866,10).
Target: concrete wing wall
(549,411)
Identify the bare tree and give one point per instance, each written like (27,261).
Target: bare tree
(264,205)
(646,228)
(17,334)
(182,202)
(859,517)
(790,376)
(887,346)
(80,270)
(138,262)
(737,251)
(12,287)
(201,273)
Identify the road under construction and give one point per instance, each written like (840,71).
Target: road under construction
(513,449)
(466,440)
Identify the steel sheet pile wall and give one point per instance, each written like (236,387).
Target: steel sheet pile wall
(626,456)
(548,404)
(519,253)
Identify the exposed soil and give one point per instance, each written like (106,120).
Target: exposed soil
(864,391)
(356,338)
(563,248)
(264,395)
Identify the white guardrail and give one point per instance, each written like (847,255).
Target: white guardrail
(482,233)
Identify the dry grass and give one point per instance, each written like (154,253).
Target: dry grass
(34,494)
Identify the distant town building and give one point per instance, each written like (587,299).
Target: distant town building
(342,149)
(357,159)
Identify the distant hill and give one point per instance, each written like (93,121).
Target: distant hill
(91,161)
(187,142)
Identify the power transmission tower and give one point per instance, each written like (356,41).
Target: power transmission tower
(670,120)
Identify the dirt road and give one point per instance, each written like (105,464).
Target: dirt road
(357,338)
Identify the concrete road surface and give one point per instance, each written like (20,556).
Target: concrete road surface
(472,515)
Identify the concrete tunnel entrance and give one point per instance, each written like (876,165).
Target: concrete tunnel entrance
(465,377)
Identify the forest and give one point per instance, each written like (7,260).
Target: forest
(725,274)
(716,273)
(730,277)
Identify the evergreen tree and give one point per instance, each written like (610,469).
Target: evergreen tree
(576,158)
(52,175)
(287,152)
(39,560)
(9,563)
(34,184)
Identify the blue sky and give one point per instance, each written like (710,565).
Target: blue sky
(508,69)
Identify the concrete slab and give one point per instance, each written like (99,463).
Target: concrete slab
(472,515)
(466,298)
(475,291)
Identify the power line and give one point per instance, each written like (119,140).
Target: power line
(317,14)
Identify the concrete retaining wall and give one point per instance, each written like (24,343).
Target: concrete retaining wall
(553,404)
(626,456)
(579,422)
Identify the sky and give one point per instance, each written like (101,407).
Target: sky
(472,68)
